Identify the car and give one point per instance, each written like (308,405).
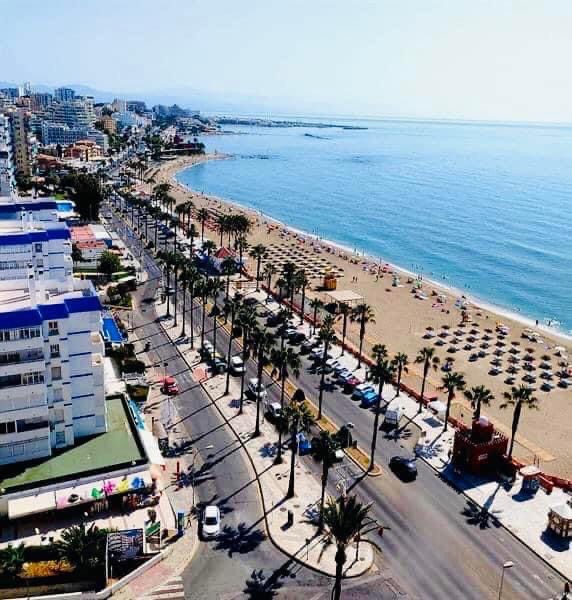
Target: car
(329,366)
(206,350)
(360,390)
(351,384)
(339,368)
(273,410)
(297,338)
(273,320)
(255,389)
(237,365)
(218,363)
(318,354)
(210,524)
(170,386)
(368,398)
(405,468)
(250,301)
(290,331)
(307,346)
(343,375)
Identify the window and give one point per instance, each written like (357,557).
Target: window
(31,424)
(58,415)
(18,450)
(53,328)
(32,378)
(56,373)
(39,262)
(54,350)
(38,247)
(8,427)
(58,394)
(60,437)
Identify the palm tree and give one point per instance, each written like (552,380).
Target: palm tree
(168,260)
(345,519)
(519,397)
(258,252)
(315,305)
(189,278)
(362,314)
(286,361)
(452,382)
(268,271)
(216,288)
(209,246)
(429,360)
(241,245)
(202,217)
(344,311)
(325,450)
(12,560)
(178,262)
(191,235)
(302,282)
(203,290)
(222,224)
(400,362)
(228,268)
(477,396)
(82,547)
(327,336)
(381,373)
(262,341)
(289,276)
(232,306)
(248,320)
(297,418)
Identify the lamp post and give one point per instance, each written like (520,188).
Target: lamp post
(507,565)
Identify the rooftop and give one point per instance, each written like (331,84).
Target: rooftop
(118,447)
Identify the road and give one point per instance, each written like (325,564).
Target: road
(437,547)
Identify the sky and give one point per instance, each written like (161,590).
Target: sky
(473,59)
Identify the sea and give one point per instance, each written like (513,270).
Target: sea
(483,208)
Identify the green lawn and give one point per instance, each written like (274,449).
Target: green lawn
(100,452)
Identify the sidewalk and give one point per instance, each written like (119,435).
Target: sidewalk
(302,540)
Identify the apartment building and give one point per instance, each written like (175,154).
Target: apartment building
(41,249)
(51,367)
(23,141)
(7,179)
(64,94)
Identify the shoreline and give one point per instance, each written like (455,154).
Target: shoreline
(475,301)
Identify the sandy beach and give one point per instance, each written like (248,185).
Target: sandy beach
(405,311)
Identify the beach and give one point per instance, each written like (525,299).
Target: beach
(404,312)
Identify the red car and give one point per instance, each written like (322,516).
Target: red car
(170,386)
(350,384)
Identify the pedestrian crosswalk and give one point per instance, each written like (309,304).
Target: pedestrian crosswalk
(172,590)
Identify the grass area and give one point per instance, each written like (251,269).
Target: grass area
(60,196)
(101,452)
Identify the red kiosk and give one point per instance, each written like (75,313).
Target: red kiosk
(479,449)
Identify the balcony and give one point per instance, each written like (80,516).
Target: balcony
(18,368)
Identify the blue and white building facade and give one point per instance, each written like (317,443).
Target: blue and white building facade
(43,250)
(51,367)
(7,174)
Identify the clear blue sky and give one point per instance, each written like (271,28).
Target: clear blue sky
(497,59)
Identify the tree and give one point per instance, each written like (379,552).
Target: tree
(315,305)
(241,245)
(262,341)
(189,278)
(232,306)
(289,277)
(286,361)
(400,362)
(325,450)
(83,547)
(302,282)
(345,312)
(12,559)
(345,519)
(267,273)
(258,252)
(362,314)
(228,268)
(76,254)
(216,288)
(209,246)
(429,360)
(519,397)
(381,373)
(452,382)
(85,190)
(248,320)
(202,217)
(297,418)
(477,396)
(327,336)
(109,263)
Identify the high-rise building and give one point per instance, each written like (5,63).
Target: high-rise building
(57,133)
(12,93)
(23,142)
(63,94)
(74,113)
(119,105)
(7,179)
(40,102)
(136,106)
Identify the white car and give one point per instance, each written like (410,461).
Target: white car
(318,353)
(211,521)
(237,365)
(255,388)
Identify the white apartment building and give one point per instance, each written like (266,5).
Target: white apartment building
(41,249)
(44,210)
(51,367)
(7,176)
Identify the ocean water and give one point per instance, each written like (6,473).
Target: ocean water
(484,208)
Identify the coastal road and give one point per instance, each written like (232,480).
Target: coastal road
(436,547)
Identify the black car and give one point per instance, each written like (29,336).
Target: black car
(405,468)
(297,338)
(273,320)
(251,301)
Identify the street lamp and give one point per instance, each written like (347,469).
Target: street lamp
(507,565)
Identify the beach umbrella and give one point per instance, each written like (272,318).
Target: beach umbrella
(446,326)
(515,343)
(528,357)
(545,357)
(530,350)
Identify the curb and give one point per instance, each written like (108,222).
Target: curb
(257,477)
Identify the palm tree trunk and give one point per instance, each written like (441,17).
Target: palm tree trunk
(192,299)
(398,379)
(184,311)
(168,295)
(315,317)
(375,427)
(360,349)
(278,459)
(340,562)
(477,414)
(344,330)
(215,325)
(303,305)
(241,399)
(515,422)
(322,380)
(425,372)
(258,260)
(448,409)
(325,473)
(227,385)
(204,302)
(259,373)
(175,296)
(292,480)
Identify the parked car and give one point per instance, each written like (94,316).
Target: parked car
(273,410)
(351,384)
(255,388)
(360,390)
(237,365)
(318,353)
(368,398)
(342,375)
(405,468)
(210,524)
(273,320)
(206,350)
(170,386)
(297,338)
(218,363)
(250,301)
(307,346)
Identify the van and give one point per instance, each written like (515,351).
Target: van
(393,414)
